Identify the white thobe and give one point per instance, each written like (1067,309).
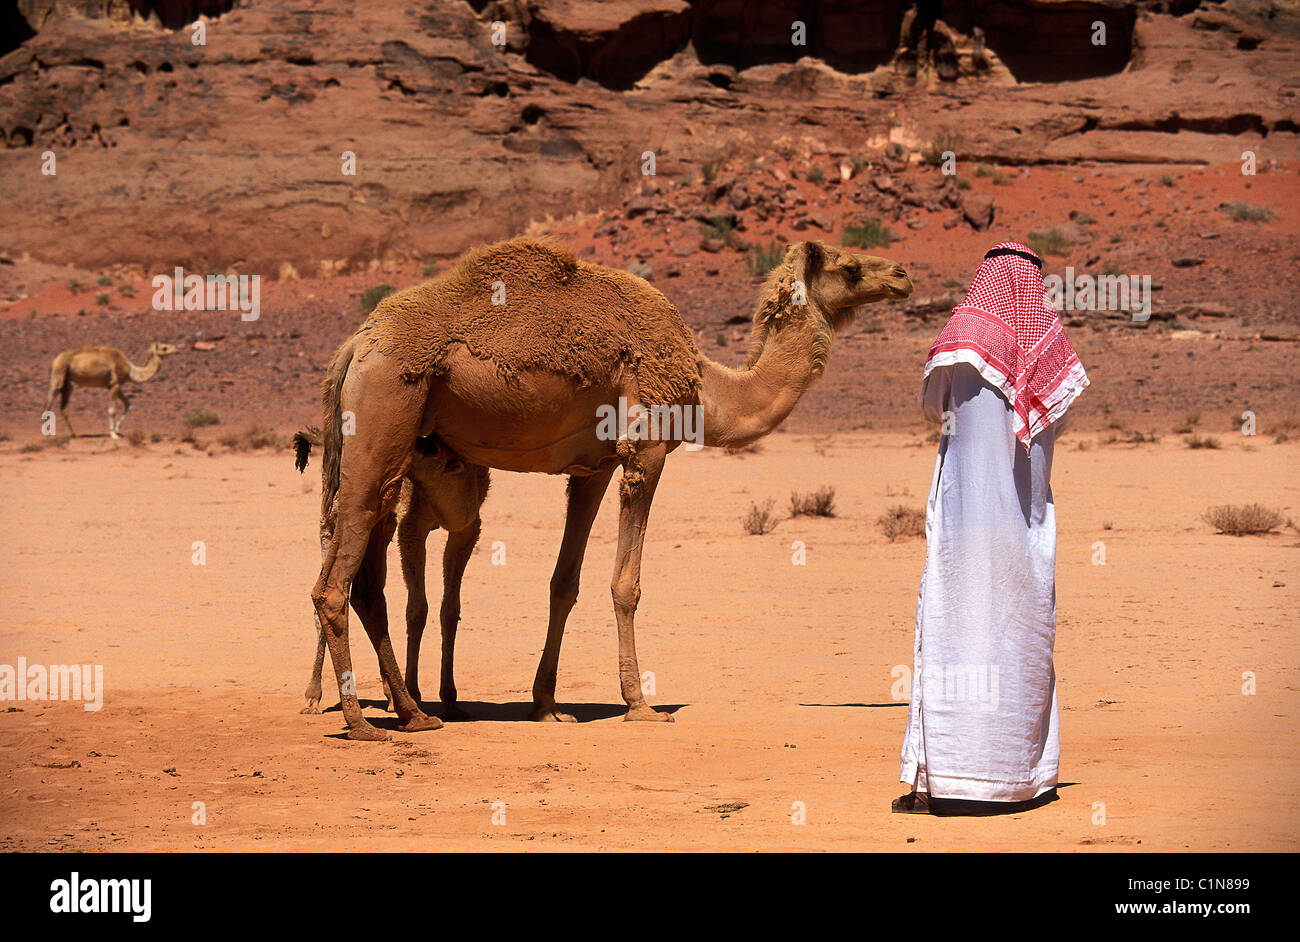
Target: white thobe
(982,723)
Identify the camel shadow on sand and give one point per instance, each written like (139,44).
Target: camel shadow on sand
(478,711)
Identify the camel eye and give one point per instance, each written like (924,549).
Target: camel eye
(854,272)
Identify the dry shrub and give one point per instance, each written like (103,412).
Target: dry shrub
(900,520)
(1202,441)
(819,503)
(1240,519)
(760,518)
(135,437)
(1188,424)
(201,418)
(1131,438)
(252,438)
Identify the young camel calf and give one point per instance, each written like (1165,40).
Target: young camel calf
(440,490)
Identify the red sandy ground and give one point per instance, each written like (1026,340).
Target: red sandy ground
(782,678)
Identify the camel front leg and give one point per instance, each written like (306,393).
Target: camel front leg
(115,417)
(455,557)
(584,497)
(636,492)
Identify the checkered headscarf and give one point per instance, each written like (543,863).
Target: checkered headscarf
(1007,329)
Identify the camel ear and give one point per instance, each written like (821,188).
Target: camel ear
(807,259)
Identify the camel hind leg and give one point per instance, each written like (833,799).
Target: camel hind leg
(371,465)
(369,604)
(61,386)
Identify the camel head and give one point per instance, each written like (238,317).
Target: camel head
(820,287)
(158,348)
(838,282)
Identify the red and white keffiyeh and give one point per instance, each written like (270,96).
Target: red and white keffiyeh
(1007,329)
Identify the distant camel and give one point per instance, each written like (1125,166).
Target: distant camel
(104,368)
(440,490)
(515,359)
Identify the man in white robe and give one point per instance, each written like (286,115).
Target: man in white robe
(983,720)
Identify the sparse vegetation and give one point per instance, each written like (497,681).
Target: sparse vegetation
(1241,211)
(1202,441)
(1052,242)
(252,438)
(761,259)
(1189,423)
(719,227)
(1130,438)
(962,183)
(869,233)
(710,169)
(1166,179)
(1239,520)
(372,296)
(201,418)
(900,521)
(104,281)
(101,298)
(430,268)
(818,503)
(816,175)
(943,141)
(75,286)
(760,518)
(136,437)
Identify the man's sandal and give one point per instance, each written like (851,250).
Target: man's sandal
(911,803)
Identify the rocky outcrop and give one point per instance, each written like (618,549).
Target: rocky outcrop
(232,154)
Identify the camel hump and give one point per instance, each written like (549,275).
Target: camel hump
(530,304)
(538,260)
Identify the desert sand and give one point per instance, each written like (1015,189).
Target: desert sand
(787,682)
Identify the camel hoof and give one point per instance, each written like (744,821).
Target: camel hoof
(312,706)
(646,715)
(420,722)
(367,733)
(550,715)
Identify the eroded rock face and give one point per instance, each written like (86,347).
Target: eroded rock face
(233,153)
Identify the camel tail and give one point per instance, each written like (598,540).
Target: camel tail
(303,440)
(331,401)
